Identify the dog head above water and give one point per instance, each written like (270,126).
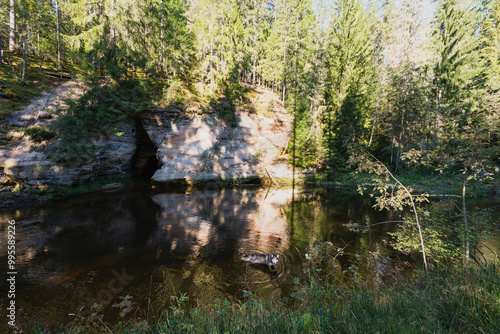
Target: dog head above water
(263,258)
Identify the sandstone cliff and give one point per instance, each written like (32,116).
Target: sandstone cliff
(204,147)
(191,144)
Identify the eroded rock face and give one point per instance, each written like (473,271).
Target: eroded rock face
(26,162)
(195,144)
(24,165)
(206,148)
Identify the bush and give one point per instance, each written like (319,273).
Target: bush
(38,134)
(175,93)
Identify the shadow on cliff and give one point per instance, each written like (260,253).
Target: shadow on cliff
(201,145)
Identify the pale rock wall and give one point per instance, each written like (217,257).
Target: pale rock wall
(195,144)
(206,148)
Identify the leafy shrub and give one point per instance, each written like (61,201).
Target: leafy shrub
(38,134)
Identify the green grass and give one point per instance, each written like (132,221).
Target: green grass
(448,301)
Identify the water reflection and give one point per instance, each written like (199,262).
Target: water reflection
(79,257)
(225,222)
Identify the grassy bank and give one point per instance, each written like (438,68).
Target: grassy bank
(455,300)
(420,181)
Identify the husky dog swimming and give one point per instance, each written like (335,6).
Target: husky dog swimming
(267,258)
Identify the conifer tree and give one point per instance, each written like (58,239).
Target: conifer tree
(490,33)
(350,74)
(459,71)
(404,75)
(220,37)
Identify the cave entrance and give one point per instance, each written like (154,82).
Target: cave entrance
(145,162)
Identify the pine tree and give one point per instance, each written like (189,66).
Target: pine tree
(220,36)
(459,71)
(490,51)
(350,65)
(490,32)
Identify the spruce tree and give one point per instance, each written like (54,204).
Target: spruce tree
(350,65)
(459,71)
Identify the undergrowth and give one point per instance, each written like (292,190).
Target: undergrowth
(328,300)
(449,301)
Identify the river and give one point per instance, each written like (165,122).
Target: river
(87,255)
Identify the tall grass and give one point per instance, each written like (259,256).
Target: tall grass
(448,301)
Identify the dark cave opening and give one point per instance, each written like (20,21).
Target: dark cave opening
(145,162)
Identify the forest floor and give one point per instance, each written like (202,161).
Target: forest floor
(34,92)
(263,100)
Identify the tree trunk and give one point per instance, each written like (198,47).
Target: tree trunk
(25,56)
(253,73)
(162,44)
(112,30)
(91,18)
(373,129)
(284,90)
(211,73)
(58,31)
(392,144)
(401,133)
(466,223)
(438,105)
(12,26)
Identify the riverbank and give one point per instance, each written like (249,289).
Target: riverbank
(23,197)
(423,181)
(447,301)
(436,185)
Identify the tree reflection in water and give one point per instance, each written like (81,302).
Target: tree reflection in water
(176,242)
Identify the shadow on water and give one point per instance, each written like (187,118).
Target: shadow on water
(80,258)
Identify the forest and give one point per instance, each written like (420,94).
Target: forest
(413,82)
(391,91)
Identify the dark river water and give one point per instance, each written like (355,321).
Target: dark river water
(82,256)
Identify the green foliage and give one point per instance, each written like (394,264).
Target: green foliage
(15,93)
(452,300)
(98,111)
(220,34)
(460,72)
(226,111)
(140,37)
(303,145)
(174,93)
(233,94)
(350,72)
(380,75)
(38,134)
(391,196)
